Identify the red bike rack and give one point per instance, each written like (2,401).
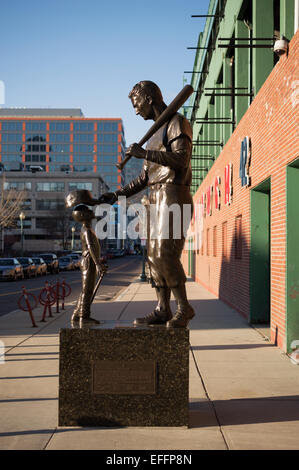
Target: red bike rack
(62,290)
(47,297)
(24,304)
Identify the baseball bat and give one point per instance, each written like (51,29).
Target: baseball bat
(167,114)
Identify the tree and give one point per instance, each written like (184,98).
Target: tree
(64,223)
(11,204)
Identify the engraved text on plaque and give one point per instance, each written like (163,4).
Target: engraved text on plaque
(124,377)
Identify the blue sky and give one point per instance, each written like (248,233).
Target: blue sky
(90,53)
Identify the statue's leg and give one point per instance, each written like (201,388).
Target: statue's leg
(75,316)
(162,313)
(185,311)
(82,310)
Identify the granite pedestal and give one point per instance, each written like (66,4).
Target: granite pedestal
(120,375)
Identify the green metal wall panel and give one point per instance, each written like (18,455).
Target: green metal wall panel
(263,26)
(287,18)
(260,254)
(227,128)
(292,277)
(241,71)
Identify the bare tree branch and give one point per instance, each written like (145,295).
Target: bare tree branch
(11,203)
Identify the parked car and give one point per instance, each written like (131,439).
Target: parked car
(66,263)
(29,267)
(117,253)
(76,258)
(11,269)
(41,266)
(51,261)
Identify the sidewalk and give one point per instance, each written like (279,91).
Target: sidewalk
(243,390)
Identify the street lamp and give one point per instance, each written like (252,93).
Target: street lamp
(22,218)
(142,276)
(73,237)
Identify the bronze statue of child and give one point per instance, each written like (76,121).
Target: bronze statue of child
(91,265)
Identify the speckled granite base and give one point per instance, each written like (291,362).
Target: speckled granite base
(116,375)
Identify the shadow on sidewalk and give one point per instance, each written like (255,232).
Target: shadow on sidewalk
(218,347)
(244,411)
(233,412)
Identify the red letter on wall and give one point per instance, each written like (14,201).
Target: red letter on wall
(228,183)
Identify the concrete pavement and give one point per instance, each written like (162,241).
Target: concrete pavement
(243,390)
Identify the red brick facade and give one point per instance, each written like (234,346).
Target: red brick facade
(271,123)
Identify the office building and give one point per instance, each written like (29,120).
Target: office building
(54,140)
(47,224)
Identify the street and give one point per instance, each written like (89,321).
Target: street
(121,272)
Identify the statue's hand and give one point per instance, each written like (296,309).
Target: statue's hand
(107,198)
(135,150)
(101,268)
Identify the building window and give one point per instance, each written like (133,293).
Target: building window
(83,138)
(238,237)
(107,126)
(84,126)
(11,158)
(35,158)
(49,204)
(208,242)
(59,148)
(53,187)
(11,148)
(59,137)
(59,158)
(215,241)
(59,126)
(26,205)
(82,185)
(36,138)
(35,126)
(83,148)
(11,138)
(224,239)
(26,222)
(11,126)
(83,158)
(105,148)
(46,223)
(82,168)
(19,185)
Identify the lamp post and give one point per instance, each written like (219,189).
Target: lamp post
(22,218)
(73,237)
(142,276)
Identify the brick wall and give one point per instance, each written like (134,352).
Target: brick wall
(271,123)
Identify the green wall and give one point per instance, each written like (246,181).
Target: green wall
(292,278)
(260,253)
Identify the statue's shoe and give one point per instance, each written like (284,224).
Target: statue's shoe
(181,319)
(88,321)
(154,318)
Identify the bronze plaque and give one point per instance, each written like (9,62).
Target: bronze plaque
(124,377)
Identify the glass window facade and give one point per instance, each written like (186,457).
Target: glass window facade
(84,126)
(35,126)
(11,137)
(81,185)
(49,204)
(11,126)
(11,158)
(19,185)
(53,186)
(59,126)
(83,168)
(74,144)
